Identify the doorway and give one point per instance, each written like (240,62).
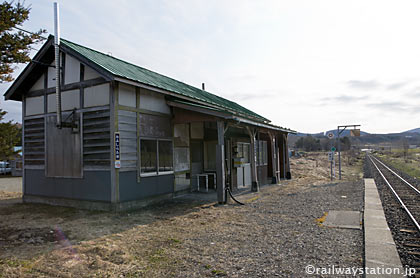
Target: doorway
(242,164)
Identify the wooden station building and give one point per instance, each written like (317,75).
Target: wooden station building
(135,136)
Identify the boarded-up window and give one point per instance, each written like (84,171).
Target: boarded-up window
(155,126)
(63,151)
(182,159)
(181,135)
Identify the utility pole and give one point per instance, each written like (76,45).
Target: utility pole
(340,129)
(331,155)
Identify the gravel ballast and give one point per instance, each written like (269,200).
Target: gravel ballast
(396,217)
(277,233)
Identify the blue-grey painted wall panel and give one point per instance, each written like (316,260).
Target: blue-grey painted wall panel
(149,186)
(94,186)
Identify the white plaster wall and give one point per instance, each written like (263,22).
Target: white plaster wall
(153,101)
(127,95)
(90,73)
(96,95)
(34,105)
(69,100)
(51,75)
(71,70)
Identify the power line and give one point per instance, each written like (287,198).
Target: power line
(29,32)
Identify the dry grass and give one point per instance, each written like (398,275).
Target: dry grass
(159,241)
(409,163)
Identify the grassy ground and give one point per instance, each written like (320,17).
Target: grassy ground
(172,239)
(409,163)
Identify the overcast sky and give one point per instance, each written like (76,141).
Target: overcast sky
(306,65)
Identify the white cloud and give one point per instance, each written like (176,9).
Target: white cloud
(290,61)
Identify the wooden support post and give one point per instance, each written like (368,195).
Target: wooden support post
(273,158)
(278,167)
(113,100)
(254,176)
(283,142)
(220,162)
(287,162)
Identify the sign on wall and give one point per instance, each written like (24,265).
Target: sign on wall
(117,150)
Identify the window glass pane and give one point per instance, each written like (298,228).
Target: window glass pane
(260,153)
(240,150)
(246,153)
(196,152)
(165,156)
(148,156)
(265,152)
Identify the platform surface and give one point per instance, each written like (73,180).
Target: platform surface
(343,219)
(380,249)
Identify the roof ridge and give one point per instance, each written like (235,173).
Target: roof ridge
(253,114)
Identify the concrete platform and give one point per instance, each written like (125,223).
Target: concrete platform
(380,249)
(11,184)
(343,219)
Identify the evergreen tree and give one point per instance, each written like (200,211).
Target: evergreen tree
(10,134)
(14,43)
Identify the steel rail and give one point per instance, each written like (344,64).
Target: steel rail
(398,197)
(412,187)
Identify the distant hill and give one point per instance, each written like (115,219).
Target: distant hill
(416,130)
(412,137)
(334,131)
(346,132)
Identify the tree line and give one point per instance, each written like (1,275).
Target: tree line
(10,136)
(309,144)
(15,48)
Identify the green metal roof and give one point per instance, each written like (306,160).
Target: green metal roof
(129,71)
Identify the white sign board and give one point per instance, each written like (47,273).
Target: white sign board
(117,150)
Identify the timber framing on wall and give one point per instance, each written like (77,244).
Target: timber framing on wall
(109,96)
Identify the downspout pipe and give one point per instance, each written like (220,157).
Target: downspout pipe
(57,64)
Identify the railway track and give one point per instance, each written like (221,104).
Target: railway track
(401,202)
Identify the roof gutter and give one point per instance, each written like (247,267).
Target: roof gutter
(272,127)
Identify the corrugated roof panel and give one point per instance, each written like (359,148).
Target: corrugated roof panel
(129,71)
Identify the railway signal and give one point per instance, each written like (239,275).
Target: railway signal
(332,162)
(354,132)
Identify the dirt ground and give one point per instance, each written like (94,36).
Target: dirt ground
(10,184)
(178,238)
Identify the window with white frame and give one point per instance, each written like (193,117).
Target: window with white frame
(156,156)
